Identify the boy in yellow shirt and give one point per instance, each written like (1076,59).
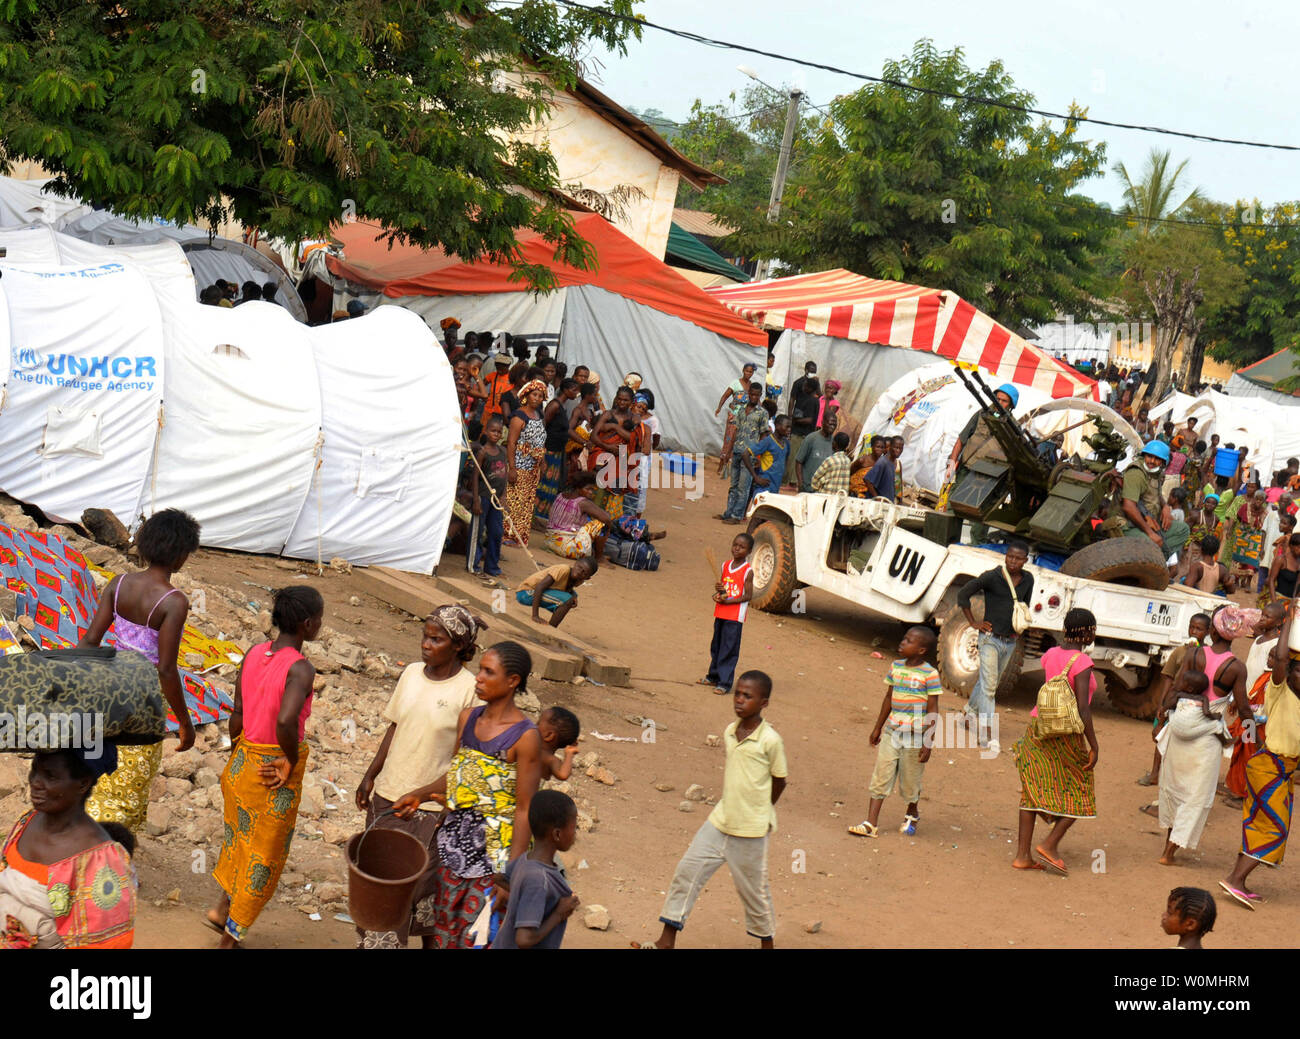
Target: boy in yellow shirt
(737,830)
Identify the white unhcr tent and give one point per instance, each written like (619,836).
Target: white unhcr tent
(84,387)
(26,206)
(130,396)
(391,444)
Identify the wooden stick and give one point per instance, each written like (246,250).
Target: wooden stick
(713,562)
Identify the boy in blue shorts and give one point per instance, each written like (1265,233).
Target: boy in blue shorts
(552,589)
(907,722)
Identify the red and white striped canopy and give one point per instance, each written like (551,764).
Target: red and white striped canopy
(845,305)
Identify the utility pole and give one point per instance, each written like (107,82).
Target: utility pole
(782,167)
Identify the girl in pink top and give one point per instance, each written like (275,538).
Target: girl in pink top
(262,783)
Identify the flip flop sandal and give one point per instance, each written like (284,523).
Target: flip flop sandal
(1056,865)
(219,928)
(909,825)
(1240,897)
(1146,780)
(1151,810)
(721,691)
(704,681)
(864,829)
(1031,866)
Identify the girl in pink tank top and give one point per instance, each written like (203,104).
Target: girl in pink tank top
(146,613)
(261,785)
(148,617)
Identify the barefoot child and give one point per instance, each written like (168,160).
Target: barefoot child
(552,589)
(1190,914)
(148,616)
(907,720)
(558,727)
(540,900)
(736,832)
(732,594)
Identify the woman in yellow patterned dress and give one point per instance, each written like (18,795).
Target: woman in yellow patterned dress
(487,789)
(148,617)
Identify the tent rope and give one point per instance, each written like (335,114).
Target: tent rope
(315,479)
(492,495)
(153,469)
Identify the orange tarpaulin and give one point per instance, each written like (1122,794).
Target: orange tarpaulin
(623,268)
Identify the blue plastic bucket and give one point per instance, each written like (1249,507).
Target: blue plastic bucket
(1226,461)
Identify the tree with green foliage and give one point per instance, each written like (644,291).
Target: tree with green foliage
(1264,243)
(287,115)
(1149,202)
(1177,277)
(741,146)
(955,193)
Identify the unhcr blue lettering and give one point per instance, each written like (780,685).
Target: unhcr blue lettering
(99,367)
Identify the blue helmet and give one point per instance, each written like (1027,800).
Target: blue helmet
(1010,391)
(1157,449)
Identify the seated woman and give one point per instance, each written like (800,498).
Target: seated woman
(578,526)
(65,883)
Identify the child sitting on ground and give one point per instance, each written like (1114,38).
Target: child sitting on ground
(1189,913)
(552,589)
(540,901)
(908,719)
(558,728)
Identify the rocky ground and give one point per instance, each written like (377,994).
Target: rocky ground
(643,794)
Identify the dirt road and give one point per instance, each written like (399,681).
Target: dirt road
(950,885)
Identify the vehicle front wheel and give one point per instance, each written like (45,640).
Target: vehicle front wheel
(774,572)
(959,659)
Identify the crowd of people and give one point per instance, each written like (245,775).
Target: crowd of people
(802,440)
(547,455)
(222,293)
(461,767)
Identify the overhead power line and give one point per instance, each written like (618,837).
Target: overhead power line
(951,95)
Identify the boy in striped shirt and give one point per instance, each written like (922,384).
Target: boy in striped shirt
(908,720)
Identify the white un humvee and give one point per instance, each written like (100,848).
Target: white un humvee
(897,562)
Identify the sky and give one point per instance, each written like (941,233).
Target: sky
(1224,70)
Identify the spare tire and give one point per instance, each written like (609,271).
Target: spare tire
(1122,560)
(958,654)
(772,559)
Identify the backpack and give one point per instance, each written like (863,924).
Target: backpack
(1058,709)
(634,555)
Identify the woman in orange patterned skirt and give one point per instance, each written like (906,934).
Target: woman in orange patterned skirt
(1056,772)
(525,449)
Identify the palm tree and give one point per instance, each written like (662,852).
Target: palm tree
(1148,202)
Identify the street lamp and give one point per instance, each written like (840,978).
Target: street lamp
(782,162)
